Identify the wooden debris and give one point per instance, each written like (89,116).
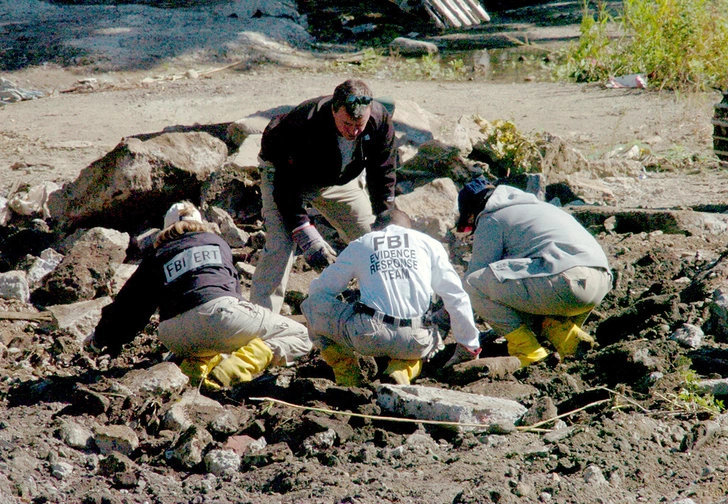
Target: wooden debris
(456,13)
(8,315)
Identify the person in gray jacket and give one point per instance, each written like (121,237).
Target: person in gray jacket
(534,271)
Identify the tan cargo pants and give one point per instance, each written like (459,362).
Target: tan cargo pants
(337,321)
(347,208)
(505,306)
(225,324)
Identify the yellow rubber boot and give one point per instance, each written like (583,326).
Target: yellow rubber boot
(347,372)
(403,371)
(197,368)
(243,364)
(522,343)
(567,337)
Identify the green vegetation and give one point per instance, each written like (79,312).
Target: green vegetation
(694,399)
(509,151)
(691,397)
(678,44)
(378,62)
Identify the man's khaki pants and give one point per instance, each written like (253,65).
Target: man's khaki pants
(225,324)
(347,208)
(332,320)
(507,305)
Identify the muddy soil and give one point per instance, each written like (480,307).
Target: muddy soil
(632,426)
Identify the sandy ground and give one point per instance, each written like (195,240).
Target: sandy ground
(640,446)
(138,59)
(55,137)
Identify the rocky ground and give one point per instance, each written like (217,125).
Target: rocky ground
(633,421)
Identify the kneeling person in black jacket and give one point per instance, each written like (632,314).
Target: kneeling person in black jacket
(222,338)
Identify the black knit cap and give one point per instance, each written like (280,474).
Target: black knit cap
(471,201)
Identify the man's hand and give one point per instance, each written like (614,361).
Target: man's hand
(462,354)
(90,345)
(317,253)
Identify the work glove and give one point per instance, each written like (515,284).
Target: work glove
(317,253)
(91,345)
(462,354)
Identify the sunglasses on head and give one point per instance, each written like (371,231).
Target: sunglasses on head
(358,100)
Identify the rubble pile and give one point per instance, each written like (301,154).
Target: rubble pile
(131,429)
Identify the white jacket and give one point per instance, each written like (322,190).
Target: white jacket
(398,270)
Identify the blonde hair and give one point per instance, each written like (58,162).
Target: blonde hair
(180,228)
(184,218)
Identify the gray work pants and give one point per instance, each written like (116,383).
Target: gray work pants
(347,208)
(336,320)
(225,324)
(507,305)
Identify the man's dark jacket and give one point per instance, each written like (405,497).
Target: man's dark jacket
(303,147)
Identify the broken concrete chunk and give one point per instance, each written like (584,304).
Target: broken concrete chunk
(222,462)
(247,155)
(192,409)
(429,403)
(689,336)
(120,438)
(86,271)
(234,236)
(43,265)
(161,378)
(14,285)
(189,448)
(79,318)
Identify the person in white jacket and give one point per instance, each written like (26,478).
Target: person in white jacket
(534,271)
(398,270)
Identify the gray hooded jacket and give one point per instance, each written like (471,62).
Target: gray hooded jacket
(519,236)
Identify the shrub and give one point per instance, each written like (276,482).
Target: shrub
(679,44)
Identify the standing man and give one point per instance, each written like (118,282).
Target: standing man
(398,270)
(534,272)
(315,155)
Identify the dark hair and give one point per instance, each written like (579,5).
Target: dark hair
(393,216)
(354,95)
(472,199)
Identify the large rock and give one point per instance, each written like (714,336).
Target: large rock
(410,47)
(475,412)
(432,208)
(86,271)
(234,189)
(412,123)
(435,159)
(133,185)
(680,222)
(79,318)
